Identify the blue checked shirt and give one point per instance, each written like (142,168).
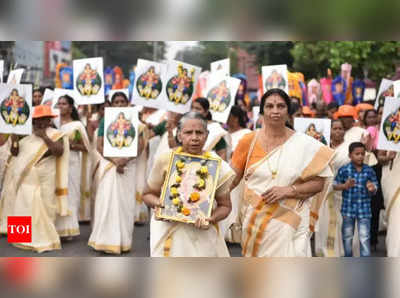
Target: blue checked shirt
(356,200)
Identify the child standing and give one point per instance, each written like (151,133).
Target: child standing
(358,183)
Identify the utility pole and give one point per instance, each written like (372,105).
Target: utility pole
(155,50)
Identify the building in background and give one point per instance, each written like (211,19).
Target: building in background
(38,58)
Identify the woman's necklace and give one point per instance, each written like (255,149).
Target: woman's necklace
(274,172)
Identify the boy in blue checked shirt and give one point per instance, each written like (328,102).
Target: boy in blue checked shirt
(358,183)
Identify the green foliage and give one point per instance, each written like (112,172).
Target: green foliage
(123,54)
(206,52)
(377,57)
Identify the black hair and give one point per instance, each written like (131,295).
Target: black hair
(337,120)
(294,108)
(205,105)
(122,94)
(364,120)
(332,105)
(276,91)
(355,145)
(74,112)
(237,112)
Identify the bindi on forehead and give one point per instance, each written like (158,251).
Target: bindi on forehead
(274,99)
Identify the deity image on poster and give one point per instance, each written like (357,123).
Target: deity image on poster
(219,97)
(149,84)
(121,132)
(89,81)
(318,135)
(391,126)
(388,92)
(14,109)
(180,87)
(275,80)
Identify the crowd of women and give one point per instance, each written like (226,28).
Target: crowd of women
(274,191)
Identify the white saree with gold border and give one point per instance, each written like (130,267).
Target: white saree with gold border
(78,182)
(236,193)
(282,229)
(391,192)
(175,239)
(38,187)
(328,234)
(113,215)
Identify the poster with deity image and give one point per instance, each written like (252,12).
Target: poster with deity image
(16,109)
(275,76)
(221,95)
(88,81)
(396,89)
(149,84)
(47,97)
(389,132)
(189,188)
(319,129)
(121,132)
(385,90)
(221,65)
(181,80)
(15,76)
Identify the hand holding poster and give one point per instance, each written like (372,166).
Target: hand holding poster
(180,81)
(148,89)
(221,95)
(319,129)
(275,76)
(16,109)
(121,132)
(88,81)
(389,133)
(221,65)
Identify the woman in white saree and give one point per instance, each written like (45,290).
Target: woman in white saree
(37,178)
(282,169)
(78,178)
(237,129)
(391,193)
(174,239)
(113,191)
(328,234)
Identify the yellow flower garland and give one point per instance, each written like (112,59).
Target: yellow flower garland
(194,196)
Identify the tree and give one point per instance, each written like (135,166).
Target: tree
(123,54)
(206,52)
(377,57)
(269,52)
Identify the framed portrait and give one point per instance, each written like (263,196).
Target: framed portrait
(16,109)
(189,188)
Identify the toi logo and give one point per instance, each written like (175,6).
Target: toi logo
(19,229)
